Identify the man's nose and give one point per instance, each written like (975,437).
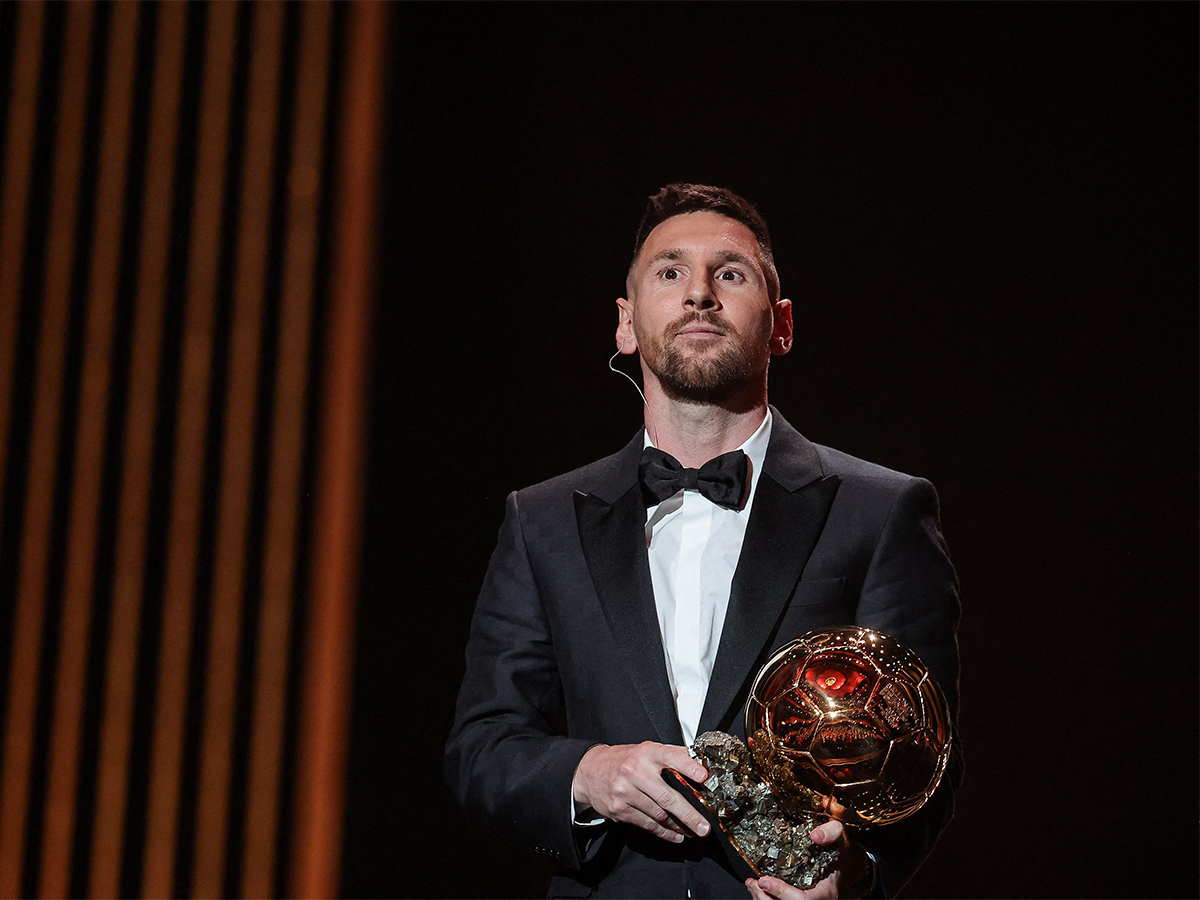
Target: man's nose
(701,293)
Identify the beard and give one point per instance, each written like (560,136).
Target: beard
(703,377)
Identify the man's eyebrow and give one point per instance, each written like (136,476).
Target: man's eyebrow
(734,256)
(672,253)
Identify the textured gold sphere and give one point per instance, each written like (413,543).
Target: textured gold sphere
(850,723)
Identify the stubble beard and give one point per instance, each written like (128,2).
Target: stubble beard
(701,378)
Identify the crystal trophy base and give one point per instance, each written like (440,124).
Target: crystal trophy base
(756,834)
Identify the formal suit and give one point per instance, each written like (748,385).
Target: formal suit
(565,650)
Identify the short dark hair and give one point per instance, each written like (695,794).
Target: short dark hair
(680,198)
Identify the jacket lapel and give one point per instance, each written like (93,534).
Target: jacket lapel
(612,533)
(791,502)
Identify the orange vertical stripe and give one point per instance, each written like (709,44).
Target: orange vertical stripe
(116,722)
(287,442)
(237,469)
(18,161)
(35,535)
(328,672)
(89,458)
(184,524)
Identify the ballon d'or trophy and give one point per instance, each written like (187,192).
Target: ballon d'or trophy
(843,723)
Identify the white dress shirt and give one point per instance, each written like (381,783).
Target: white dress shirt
(694,546)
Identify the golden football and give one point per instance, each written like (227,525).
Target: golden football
(850,723)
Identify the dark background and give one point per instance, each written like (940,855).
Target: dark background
(986,218)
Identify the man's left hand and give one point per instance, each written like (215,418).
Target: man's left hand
(851,876)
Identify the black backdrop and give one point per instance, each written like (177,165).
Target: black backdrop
(986,217)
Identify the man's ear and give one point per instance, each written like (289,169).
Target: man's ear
(626,339)
(781,328)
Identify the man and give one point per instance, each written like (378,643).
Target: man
(629,603)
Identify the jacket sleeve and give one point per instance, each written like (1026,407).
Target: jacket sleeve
(911,592)
(504,760)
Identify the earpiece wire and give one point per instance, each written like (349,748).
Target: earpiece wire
(636,386)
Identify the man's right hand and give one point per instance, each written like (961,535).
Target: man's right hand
(624,783)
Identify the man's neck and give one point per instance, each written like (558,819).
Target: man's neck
(694,433)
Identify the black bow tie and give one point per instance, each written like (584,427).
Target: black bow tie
(722,479)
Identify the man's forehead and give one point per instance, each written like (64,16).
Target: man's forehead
(710,233)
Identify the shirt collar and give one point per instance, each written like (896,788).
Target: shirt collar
(755,447)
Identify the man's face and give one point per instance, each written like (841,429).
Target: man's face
(699,308)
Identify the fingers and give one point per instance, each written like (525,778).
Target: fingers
(624,783)
(832,832)
(667,829)
(854,873)
(659,800)
(680,760)
(673,807)
(768,888)
(658,820)
(669,799)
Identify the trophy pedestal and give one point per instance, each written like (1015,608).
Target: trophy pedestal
(757,835)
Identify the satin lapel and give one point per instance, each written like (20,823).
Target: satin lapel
(785,524)
(614,544)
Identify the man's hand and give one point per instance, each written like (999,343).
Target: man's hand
(851,875)
(624,783)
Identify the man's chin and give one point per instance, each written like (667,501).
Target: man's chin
(702,372)
(701,391)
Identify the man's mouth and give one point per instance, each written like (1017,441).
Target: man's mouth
(701,329)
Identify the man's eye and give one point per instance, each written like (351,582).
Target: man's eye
(730,275)
(670,274)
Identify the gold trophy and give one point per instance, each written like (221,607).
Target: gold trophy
(843,723)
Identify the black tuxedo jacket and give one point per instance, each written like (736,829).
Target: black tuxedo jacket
(565,651)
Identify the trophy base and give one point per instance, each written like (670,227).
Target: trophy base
(756,835)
